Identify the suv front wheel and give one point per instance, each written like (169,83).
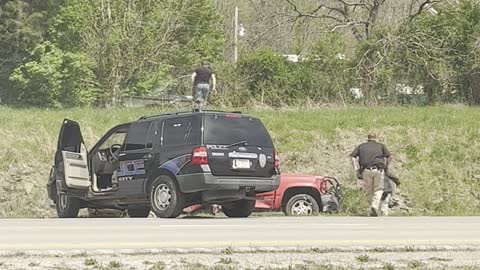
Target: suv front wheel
(165,198)
(67,206)
(241,208)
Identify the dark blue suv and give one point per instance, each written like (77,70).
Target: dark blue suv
(165,163)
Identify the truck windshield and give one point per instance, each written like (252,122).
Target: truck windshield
(227,129)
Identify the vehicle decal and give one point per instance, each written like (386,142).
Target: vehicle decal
(262,159)
(176,164)
(216,147)
(129,179)
(131,167)
(242,155)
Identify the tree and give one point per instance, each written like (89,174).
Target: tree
(23,24)
(53,78)
(362,17)
(139,45)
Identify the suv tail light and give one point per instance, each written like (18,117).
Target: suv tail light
(277,160)
(199,156)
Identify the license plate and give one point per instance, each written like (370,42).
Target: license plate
(241,164)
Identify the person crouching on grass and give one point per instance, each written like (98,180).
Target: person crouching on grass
(370,160)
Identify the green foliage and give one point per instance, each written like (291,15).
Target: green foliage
(363,258)
(355,202)
(53,78)
(434,55)
(325,74)
(97,52)
(39,81)
(265,74)
(91,262)
(139,47)
(23,24)
(321,75)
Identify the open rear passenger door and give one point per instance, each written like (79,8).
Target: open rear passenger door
(71,150)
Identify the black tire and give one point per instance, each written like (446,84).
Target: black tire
(302,205)
(142,212)
(239,209)
(166,200)
(67,206)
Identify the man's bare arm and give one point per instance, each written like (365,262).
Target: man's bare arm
(214,83)
(355,163)
(193,77)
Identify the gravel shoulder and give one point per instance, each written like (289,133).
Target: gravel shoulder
(228,258)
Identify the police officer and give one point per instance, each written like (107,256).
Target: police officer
(370,160)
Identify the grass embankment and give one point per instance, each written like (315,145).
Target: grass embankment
(436,150)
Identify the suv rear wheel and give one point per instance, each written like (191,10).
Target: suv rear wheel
(141,212)
(165,198)
(302,205)
(241,208)
(67,206)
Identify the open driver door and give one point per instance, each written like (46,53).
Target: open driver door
(71,152)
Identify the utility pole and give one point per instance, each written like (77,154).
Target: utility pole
(235,42)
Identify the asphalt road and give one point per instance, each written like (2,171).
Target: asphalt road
(125,233)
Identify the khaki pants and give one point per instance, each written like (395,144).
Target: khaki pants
(374,187)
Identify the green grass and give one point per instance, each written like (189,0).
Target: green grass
(115,264)
(436,151)
(158,266)
(91,262)
(225,261)
(363,258)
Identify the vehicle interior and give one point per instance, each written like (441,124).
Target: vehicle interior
(105,161)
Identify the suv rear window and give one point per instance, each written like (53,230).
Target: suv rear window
(225,129)
(181,131)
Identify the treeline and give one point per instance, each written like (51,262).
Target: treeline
(62,53)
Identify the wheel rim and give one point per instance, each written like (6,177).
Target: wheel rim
(63,201)
(163,197)
(302,207)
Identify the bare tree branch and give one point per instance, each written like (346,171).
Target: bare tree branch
(424,5)
(346,13)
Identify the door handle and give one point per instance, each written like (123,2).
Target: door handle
(148,157)
(122,154)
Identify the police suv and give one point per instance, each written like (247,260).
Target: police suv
(165,163)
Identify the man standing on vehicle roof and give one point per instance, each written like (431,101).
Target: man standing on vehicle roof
(370,161)
(201,84)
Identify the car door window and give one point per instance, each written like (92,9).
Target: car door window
(181,131)
(117,137)
(137,136)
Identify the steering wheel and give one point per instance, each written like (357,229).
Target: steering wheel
(114,148)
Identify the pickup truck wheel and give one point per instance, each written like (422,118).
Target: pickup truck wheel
(302,205)
(165,198)
(67,206)
(237,209)
(142,212)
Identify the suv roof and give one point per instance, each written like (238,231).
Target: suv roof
(185,113)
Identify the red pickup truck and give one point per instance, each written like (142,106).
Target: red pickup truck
(296,195)
(302,195)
